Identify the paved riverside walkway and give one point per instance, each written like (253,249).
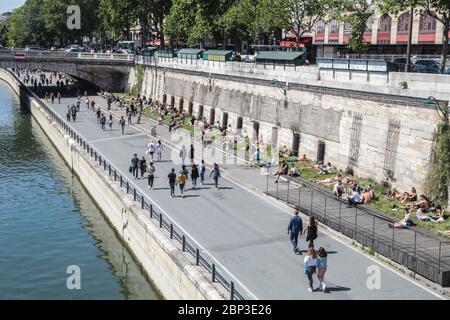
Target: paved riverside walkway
(239,227)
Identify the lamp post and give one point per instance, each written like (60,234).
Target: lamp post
(441,110)
(283,90)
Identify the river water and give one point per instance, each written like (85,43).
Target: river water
(49,225)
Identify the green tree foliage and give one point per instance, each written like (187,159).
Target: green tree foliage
(43,22)
(3,34)
(438,177)
(357,13)
(439,9)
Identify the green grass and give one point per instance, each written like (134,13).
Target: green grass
(308,172)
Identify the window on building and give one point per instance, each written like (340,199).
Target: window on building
(347,28)
(384,23)
(355,139)
(403,23)
(334,26)
(427,23)
(320,27)
(392,140)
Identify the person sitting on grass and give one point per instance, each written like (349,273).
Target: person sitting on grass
(439,214)
(422,205)
(284,152)
(405,223)
(293,172)
(393,194)
(325,169)
(335,179)
(303,158)
(338,189)
(355,198)
(409,196)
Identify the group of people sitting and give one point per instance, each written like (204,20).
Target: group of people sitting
(422,206)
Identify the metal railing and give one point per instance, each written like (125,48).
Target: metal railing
(421,252)
(188,245)
(55,55)
(382,57)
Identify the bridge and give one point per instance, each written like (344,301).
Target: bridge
(107,71)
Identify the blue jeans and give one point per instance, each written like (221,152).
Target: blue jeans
(202,177)
(194,182)
(135,172)
(216,181)
(294,239)
(182,189)
(172,189)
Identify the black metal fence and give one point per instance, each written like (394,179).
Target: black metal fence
(234,290)
(421,252)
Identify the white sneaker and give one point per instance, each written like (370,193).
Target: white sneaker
(310,290)
(324,287)
(149,188)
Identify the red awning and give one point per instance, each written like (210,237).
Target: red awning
(291,44)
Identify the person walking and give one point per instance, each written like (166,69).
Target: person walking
(142,166)
(311,232)
(182,179)
(322,266)
(202,172)
(129,119)
(183,154)
(122,124)
(139,118)
(215,173)
(256,157)
(159,150)
(52,97)
(172,179)
(134,166)
(194,175)
(110,122)
(103,122)
(59,97)
(151,148)
(295,227)
(151,175)
(310,267)
(99,113)
(192,154)
(74,114)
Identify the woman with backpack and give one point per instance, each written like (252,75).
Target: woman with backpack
(310,266)
(322,268)
(311,232)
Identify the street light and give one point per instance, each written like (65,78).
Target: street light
(442,111)
(276,82)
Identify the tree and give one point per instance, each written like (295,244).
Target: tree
(3,34)
(305,14)
(117,17)
(357,13)
(26,25)
(439,9)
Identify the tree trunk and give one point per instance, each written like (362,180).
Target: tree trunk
(445,46)
(162,43)
(297,44)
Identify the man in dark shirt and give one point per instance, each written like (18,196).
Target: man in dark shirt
(295,227)
(135,166)
(172,181)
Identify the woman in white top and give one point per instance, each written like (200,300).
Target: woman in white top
(310,266)
(159,150)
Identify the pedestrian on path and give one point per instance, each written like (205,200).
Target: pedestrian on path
(151,148)
(202,172)
(151,175)
(139,118)
(215,173)
(194,175)
(142,166)
(110,122)
(68,114)
(172,181)
(311,232)
(183,154)
(87,103)
(322,266)
(52,97)
(310,267)
(295,227)
(59,97)
(182,179)
(74,114)
(129,119)
(159,150)
(134,168)
(98,112)
(192,154)
(103,122)
(122,124)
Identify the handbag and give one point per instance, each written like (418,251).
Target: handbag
(305,269)
(130,169)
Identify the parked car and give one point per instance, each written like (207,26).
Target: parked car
(34,48)
(426,66)
(74,48)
